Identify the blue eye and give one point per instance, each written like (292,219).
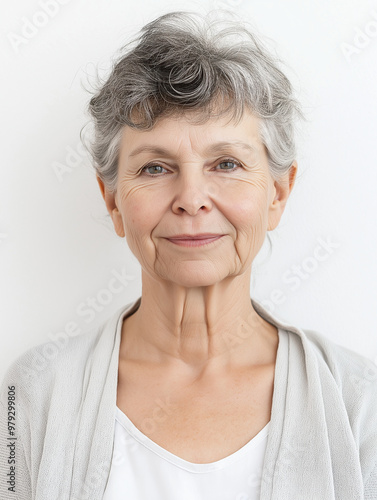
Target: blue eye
(230,162)
(144,169)
(227,162)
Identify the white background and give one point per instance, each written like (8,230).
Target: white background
(57,247)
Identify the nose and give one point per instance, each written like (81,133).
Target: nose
(192,192)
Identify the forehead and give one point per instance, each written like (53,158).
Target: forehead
(187,131)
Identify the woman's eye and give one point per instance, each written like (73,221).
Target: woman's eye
(228,164)
(147,167)
(155,169)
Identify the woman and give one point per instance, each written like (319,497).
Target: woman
(193,391)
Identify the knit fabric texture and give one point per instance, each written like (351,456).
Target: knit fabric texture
(322,441)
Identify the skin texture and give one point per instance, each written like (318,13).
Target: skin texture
(196,362)
(197,299)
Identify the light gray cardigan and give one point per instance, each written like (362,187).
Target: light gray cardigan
(322,441)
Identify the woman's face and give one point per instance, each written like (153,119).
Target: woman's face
(184,178)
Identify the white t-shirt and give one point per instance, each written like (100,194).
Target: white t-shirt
(143,470)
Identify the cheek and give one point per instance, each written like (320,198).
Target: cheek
(249,219)
(141,213)
(246,207)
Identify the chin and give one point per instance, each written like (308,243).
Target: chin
(194,283)
(194,278)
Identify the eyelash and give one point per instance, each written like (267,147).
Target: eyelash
(155,164)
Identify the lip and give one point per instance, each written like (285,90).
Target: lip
(199,236)
(194,240)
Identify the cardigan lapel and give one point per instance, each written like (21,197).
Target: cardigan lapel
(95,436)
(310,451)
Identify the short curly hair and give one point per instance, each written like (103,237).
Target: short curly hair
(185,61)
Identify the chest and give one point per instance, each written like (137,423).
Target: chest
(199,423)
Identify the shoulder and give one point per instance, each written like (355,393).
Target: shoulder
(345,379)
(59,361)
(341,372)
(353,377)
(36,368)
(348,367)
(64,361)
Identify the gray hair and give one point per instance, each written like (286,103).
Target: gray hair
(185,61)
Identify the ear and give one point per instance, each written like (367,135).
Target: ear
(281,191)
(112,207)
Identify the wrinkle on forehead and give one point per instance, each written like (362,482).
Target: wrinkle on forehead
(248,126)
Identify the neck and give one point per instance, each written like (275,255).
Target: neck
(199,328)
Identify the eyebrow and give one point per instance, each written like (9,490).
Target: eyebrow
(146,148)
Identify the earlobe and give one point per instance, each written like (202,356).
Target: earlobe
(101,186)
(284,187)
(118,222)
(112,208)
(282,190)
(292,175)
